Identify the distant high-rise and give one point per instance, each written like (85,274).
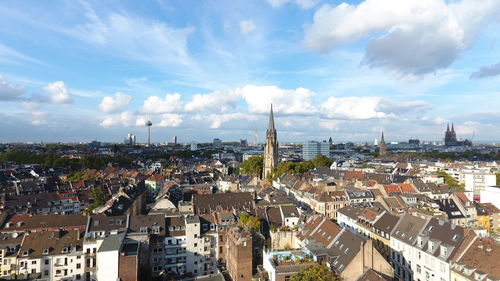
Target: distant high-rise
(271,147)
(149,124)
(382,147)
(330,141)
(217,143)
(194,146)
(450,138)
(129,139)
(174,140)
(311,149)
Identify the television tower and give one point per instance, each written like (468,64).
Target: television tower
(149,124)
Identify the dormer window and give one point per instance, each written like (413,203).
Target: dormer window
(26,253)
(156,229)
(430,228)
(118,222)
(144,229)
(64,250)
(45,251)
(111,222)
(456,237)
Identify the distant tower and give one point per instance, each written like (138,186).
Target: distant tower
(256,138)
(271,147)
(382,147)
(149,124)
(330,141)
(375,142)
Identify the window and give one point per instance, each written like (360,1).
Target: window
(419,269)
(46,261)
(33,262)
(78,276)
(78,265)
(46,273)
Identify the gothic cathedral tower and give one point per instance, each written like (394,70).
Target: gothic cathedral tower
(271,147)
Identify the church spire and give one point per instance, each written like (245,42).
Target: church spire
(271,147)
(452,127)
(270,127)
(448,127)
(382,136)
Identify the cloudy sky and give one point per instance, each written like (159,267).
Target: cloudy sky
(97,70)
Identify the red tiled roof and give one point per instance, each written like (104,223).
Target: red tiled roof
(407,188)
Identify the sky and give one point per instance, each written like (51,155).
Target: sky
(98,70)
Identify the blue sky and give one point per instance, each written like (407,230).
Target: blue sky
(86,70)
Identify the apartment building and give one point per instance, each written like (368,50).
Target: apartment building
(425,249)
(52,255)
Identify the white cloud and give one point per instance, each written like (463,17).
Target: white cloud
(259,99)
(409,37)
(158,105)
(436,120)
(59,92)
(117,103)
(217,120)
(247,26)
(9,91)
(126,119)
(352,108)
(170,120)
(214,102)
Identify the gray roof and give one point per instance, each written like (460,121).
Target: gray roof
(192,219)
(112,242)
(408,228)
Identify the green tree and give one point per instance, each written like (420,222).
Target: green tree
(99,198)
(315,272)
(450,181)
(253,165)
(322,161)
(251,222)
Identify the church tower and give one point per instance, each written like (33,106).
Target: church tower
(382,147)
(271,147)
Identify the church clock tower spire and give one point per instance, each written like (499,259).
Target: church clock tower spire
(271,147)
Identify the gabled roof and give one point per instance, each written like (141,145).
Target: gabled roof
(53,242)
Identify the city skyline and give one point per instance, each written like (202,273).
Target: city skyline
(211,70)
